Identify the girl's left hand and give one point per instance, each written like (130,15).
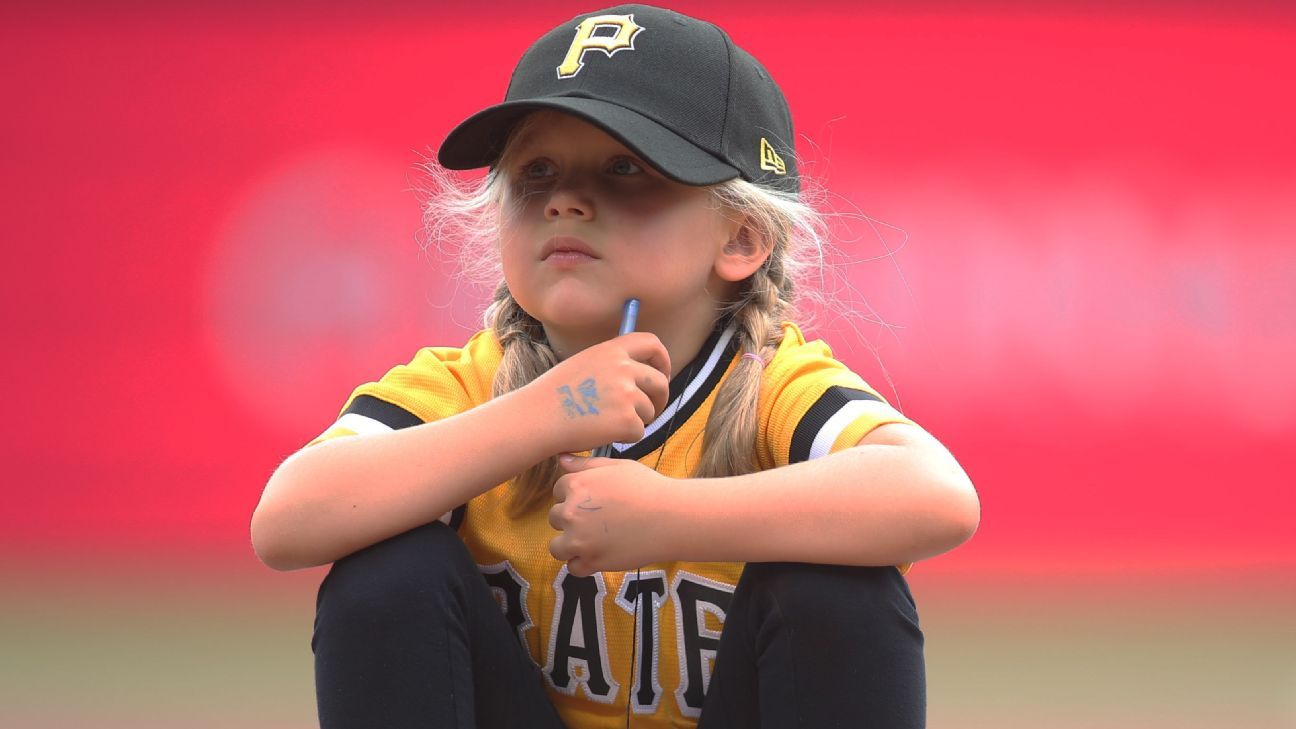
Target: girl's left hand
(605,509)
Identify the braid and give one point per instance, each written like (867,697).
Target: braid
(527,355)
(792,231)
(730,435)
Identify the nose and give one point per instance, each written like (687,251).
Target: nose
(567,201)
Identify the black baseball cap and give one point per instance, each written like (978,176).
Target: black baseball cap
(674,89)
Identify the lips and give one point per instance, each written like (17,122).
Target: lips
(566,247)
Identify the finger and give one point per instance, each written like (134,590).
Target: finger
(561,548)
(656,386)
(571,464)
(646,409)
(579,566)
(560,488)
(556,518)
(647,348)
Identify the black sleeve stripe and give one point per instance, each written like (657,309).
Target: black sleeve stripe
(833,399)
(393,416)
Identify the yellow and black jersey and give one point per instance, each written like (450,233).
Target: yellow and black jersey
(647,637)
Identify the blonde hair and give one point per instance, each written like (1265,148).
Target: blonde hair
(462,217)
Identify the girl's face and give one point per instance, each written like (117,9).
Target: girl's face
(588,224)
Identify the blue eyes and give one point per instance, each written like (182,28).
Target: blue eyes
(624,166)
(542,168)
(538,169)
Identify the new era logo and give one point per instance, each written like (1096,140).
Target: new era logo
(770,161)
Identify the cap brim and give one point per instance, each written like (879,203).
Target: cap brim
(479,139)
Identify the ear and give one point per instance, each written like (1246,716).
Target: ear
(744,252)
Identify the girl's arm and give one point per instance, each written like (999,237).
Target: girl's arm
(331,499)
(896,497)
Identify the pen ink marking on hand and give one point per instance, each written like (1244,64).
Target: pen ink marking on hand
(589,393)
(569,403)
(589,396)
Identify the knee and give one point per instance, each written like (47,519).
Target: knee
(835,594)
(405,572)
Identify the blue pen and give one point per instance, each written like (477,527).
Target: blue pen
(629,315)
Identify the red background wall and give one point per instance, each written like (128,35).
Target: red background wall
(1080,234)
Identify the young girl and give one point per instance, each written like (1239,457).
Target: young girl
(753,482)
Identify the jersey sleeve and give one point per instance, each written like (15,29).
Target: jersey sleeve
(437,383)
(812,405)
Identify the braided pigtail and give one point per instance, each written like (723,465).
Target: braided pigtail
(527,355)
(730,433)
(793,233)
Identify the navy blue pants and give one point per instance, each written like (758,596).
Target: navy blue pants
(407,634)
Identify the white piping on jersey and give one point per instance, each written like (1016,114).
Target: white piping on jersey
(827,435)
(689,391)
(361,424)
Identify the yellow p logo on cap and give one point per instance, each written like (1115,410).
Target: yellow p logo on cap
(585,40)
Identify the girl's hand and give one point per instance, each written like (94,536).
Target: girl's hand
(604,508)
(604,394)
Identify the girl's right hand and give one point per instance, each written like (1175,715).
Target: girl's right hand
(604,394)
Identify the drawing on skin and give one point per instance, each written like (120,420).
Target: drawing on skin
(569,403)
(589,395)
